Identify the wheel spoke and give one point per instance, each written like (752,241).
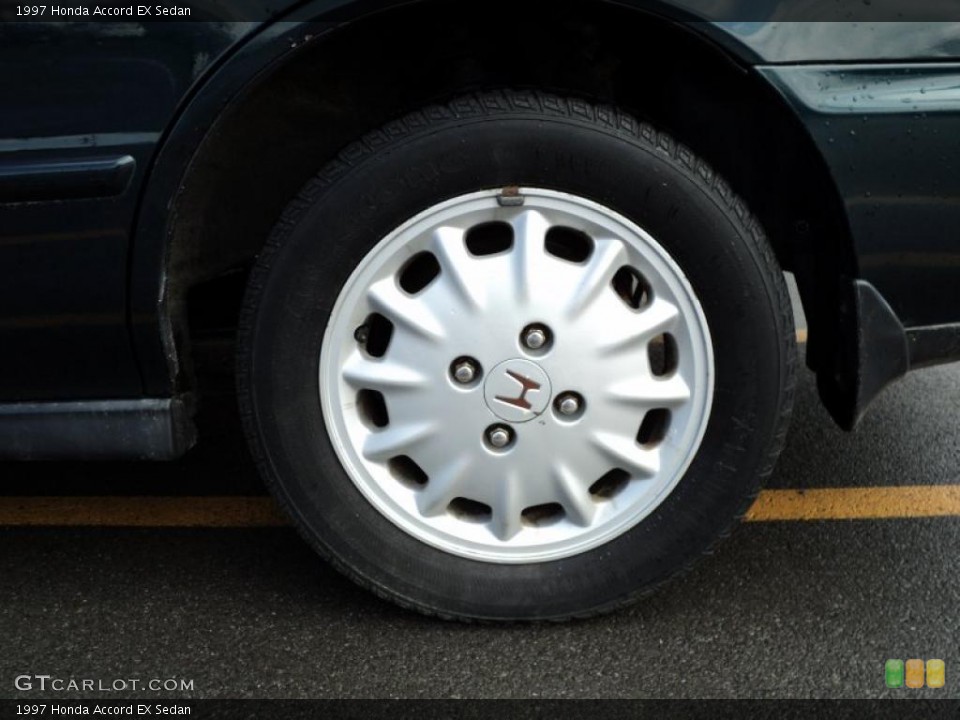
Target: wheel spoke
(646,392)
(396,440)
(381,374)
(607,257)
(386,298)
(443,486)
(573,495)
(451,252)
(624,451)
(642,327)
(530,232)
(507,506)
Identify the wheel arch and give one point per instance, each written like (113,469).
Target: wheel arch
(287,102)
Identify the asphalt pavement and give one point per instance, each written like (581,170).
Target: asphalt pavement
(807,609)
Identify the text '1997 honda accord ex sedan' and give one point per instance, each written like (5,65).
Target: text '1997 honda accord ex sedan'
(505,279)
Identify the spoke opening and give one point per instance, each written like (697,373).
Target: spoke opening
(470,510)
(490,238)
(631,287)
(609,485)
(568,244)
(374,335)
(543,515)
(654,427)
(663,354)
(406,470)
(372,408)
(418,272)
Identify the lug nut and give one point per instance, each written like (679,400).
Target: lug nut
(499,436)
(535,337)
(569,404)
(464,371)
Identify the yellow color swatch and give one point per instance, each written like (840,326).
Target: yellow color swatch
(936,673)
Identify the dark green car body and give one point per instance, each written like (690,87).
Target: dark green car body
(142,161)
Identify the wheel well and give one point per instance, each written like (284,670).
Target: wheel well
(294,118)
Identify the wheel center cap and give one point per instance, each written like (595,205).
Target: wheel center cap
(517,390)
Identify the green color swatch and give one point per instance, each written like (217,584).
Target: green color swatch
(893,673)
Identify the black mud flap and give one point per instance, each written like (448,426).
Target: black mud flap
(872,352)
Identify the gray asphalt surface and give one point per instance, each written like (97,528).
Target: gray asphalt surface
(792,609)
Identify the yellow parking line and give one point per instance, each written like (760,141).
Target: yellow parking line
(857,503)
(802,335)
(772,505)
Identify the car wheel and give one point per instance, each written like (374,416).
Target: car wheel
(515,357)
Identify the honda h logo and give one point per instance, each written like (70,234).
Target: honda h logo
(517,390)
(526,385)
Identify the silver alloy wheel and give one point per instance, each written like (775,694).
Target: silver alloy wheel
(465,281)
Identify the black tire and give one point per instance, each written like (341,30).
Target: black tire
(492,140)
